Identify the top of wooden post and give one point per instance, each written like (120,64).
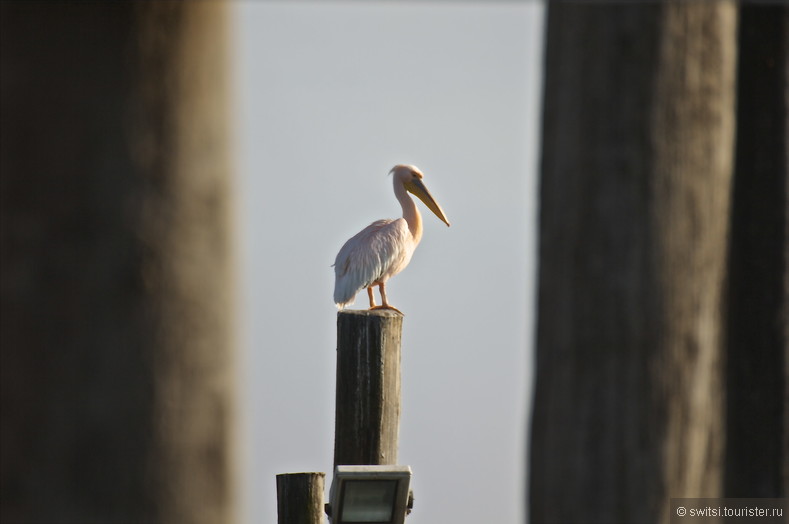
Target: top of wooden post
(386,313)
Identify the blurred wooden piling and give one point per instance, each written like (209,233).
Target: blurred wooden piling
(367,417)
(117,249)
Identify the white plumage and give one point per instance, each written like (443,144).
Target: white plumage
(384,248)
(376,251)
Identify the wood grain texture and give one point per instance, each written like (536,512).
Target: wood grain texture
(367,418)
(300,498)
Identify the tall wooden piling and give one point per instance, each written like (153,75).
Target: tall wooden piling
(367,412)
(367,418)
(117,249)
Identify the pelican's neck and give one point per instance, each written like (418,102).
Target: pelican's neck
(410,211)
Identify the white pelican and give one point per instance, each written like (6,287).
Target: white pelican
(384,248)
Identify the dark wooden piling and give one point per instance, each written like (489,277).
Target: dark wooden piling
(300,498)
(367,418)
(118,254)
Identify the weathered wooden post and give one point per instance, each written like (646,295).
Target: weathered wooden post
(117,287)
(367,418)
(300,498)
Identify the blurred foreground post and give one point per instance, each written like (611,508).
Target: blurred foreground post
(757,392)
(638,135)
(116,322)
(367,420)
(300,498)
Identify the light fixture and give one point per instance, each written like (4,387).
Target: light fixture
(370,495)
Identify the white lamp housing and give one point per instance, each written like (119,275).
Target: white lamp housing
(369,494)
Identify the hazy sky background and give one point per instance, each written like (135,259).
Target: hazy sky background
(329,96)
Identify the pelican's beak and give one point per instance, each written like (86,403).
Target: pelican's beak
(418,189)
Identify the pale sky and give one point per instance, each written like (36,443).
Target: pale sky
(330,96)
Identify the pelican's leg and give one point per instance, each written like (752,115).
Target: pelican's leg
(371,297)
(385,304)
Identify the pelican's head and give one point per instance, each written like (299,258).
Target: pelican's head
(411,178)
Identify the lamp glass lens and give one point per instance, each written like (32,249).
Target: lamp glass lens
(368,500)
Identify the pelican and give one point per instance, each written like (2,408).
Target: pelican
(384,248)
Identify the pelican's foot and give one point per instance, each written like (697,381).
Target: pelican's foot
(387,306)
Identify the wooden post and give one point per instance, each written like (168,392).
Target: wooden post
(757,318)
(367,419)
(117,288)
(637,140)
(300,498)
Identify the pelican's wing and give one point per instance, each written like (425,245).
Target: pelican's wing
(366,257)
